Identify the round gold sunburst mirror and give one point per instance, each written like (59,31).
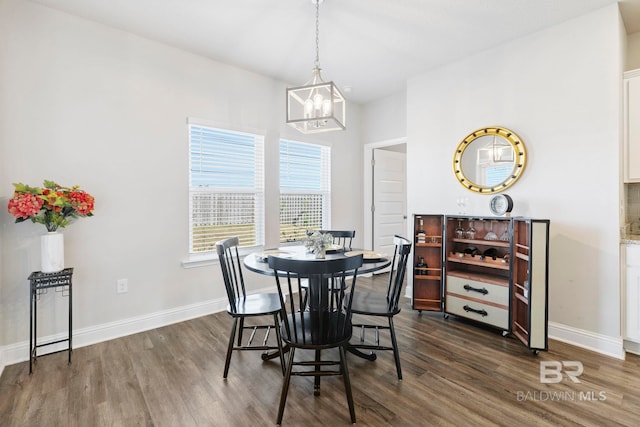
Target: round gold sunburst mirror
(489,160)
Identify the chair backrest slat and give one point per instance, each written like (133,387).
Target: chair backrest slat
(343,238)
(229,258)
(323,304)
(398,271)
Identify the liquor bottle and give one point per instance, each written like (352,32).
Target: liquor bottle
(421,236)
(490,253)
(471,250)
(421,267)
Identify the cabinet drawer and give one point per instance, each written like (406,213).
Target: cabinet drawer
(478,290)
(632,255)
(477,311)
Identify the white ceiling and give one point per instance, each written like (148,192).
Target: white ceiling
(370,46)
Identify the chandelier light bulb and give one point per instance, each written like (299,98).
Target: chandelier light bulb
(308,108)
(326,107)
(317,101)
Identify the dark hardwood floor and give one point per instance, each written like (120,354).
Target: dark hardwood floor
(455,374)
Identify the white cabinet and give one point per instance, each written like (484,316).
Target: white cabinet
(632,126)
(632,324)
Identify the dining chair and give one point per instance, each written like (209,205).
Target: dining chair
(371,304)
(343,238)
(242,306)
(324,325)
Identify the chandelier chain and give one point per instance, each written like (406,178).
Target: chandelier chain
(317,63)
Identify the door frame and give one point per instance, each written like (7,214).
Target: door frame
(368,186)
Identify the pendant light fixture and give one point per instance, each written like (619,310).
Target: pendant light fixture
(318,106)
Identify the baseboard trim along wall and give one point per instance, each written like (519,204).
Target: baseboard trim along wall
(16,353)
(632,347)
(19,352)
(602,344)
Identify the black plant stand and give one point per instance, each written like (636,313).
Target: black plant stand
(40,282)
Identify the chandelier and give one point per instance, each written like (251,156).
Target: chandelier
(318,106)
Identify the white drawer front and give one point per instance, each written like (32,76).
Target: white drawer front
(633,255)
(478,290)
(477,311)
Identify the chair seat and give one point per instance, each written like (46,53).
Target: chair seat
(376,304)
(256,305)
(372,304)
(242,306)
(336,330)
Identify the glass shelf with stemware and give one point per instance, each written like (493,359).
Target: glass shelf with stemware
(480,231)
(480,234)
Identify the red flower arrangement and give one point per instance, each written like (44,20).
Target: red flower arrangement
(53,205)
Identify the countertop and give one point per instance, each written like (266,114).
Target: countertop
(631,239)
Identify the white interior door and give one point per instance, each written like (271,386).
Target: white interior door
(389,198)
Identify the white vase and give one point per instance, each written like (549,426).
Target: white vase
(52,252)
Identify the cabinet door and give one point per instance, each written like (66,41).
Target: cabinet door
(632,293)
(530,282)
(427,279)
(633,303)
(632,128)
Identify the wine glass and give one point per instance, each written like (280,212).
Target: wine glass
(491,235)
(471,232)
(459,232)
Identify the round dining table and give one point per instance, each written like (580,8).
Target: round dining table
(258,261)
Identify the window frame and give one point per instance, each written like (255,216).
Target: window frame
(195,259)
(324,184)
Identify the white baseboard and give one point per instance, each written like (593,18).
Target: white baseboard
(19,352)
(632,346)
(2,362)
(602,344)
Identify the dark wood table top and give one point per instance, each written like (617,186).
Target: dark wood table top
(257,261)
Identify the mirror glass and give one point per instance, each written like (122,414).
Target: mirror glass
(489,160)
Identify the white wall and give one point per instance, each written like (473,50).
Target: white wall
(633,52)
(559,89)
(84,104)
(385,119)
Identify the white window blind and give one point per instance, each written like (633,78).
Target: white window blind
(305,189)
(226,187)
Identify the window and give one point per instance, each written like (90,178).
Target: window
(226,188)
(305,189)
